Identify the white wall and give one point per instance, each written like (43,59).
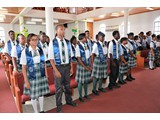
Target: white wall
(139,22)
(68,31)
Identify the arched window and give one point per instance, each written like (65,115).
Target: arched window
(121,29)
(157,26)
(2,34)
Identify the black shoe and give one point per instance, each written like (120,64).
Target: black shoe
(41,112)
(95,92)
(110,87)
(120,82)
(81,99)
(132,78)
(86,96)
(151,68)
(128,79)
(72,104)
(59,110)
(116,85)
(102,89)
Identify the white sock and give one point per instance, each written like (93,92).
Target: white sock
(41,99)
(150,64)
(34,104)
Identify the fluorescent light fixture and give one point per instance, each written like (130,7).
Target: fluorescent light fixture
(89,20)
(3,11)
(55,21)
(2,16)
(30,22)
(149,8)
(101,16)
(1,19)
(115,14)
(36,20)
(43,23)
(122,11)
(1,8)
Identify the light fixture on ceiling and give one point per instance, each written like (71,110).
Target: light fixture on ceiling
(101,16)
(31,22)
(149,8)
(55,21)
(3,16)
(89,20)
(43,23)
(36,20)
(1,19)
(115,14)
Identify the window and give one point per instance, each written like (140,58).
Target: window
(157,26)
(2,34)
(121,29)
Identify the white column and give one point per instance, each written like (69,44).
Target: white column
(21,24)
(126,13)
(49,22)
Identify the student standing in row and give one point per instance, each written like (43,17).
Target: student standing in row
(89,40)
(114,54)
(83,72)
(132,58)
(74,45)
(12,42)
(99,63)
(123,69)
(33,68)
(16,53)
(153,54)
(59,54)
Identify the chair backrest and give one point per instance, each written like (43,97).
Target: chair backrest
(19,81)
(144,53)
(74,69)
(50,75)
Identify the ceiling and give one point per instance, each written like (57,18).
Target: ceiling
(12,12)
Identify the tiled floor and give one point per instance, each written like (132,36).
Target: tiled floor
(50,102)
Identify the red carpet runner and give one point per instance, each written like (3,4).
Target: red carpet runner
(7,102)
(139,96)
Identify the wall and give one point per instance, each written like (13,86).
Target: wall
(139,22)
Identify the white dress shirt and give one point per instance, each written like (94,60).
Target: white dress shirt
(14,51)
(110,49)
(36,59)
(95,48)
(152,44)
(51,51)
(87,52)
(5,50)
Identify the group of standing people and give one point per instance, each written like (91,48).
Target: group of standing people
(96,60)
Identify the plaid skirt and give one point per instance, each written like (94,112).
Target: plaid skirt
(123,68)
(153,58)
(82,75)
(99,69)
(38,87)
(131,62)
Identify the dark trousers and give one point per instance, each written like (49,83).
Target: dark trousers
(63,82)
(114,72)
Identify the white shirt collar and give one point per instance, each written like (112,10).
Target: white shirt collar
(100,42)
(115,40)
(31,49)
(83,44)
(59,39)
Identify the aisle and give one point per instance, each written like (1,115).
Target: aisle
(6,98)
(139,96)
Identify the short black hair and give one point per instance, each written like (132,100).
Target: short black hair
(97,37)
(42,33)
(86,31)
(81,36)
(72,38)
(136,37)
(141,32)
(115,33)
(147,33)
(130,34)
(10,32)
(124,39)
(153,35)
